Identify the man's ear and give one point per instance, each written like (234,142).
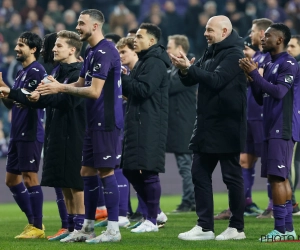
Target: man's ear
(224,32)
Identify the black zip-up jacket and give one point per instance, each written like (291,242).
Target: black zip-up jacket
(220,125)
(146,120)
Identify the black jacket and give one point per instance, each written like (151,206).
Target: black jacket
(221,107)
(64,131)
(146,120)
(182,114)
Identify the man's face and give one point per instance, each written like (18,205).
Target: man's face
(248,52)
(84,27)
(270,41)
(172,48)
(255,35)
(213,32)
(23,51)
(127,55)
(62,50)
(293,47)
(142,40)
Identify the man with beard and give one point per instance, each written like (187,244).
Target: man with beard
(101,150)
(278,91)
(26,138)
(63,146)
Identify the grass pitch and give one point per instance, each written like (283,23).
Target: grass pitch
(12,221)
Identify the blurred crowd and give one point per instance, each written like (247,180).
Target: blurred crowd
(187,17)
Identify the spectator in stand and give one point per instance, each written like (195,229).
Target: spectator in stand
(236,17)
(14,28)
(31,5)
(190,21)
(7,9)
(54,11)
(155,9)
(49,24)
(33,21)
(69,19)
(275,12)
(201,42)
(250,14)
(59,27)
(77,7)
(174,22)
(118,17)
(210,8)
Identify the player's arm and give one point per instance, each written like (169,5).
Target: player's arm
(75,89)
(277,91)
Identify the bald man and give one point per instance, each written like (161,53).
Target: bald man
(220,129)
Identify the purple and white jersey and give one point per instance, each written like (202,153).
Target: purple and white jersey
(27,123)
(282,116)
(103,61)
(255,111)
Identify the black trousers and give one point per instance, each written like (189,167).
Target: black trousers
(202,169)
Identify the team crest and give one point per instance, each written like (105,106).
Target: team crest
(275,69)
(97,67)
(289,79)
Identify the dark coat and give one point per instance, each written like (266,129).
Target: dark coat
(64,131)
(221,107)
(146,120)
(182,114)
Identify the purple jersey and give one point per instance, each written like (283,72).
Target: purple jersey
(255,111)
(281,117)
(27,123)
(103,61)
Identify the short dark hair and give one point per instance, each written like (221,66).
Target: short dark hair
(262,23)
(32,40)
(285,31)
(151,29)
(73,40)
(133,30)
(48,44)
(296,37)
(114,37)
(95,14)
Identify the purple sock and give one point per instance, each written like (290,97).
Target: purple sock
(21,196)
(123,186)
(91,195)
(101,200)
(60,201)
(111,196)
(248,182)
(270,205)
(36,200)
(71,222)
(78,221)
(142,208)
(152,191)
(289,216)
(279,212)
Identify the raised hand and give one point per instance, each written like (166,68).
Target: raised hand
(49,88)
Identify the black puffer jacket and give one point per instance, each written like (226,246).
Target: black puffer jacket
(146,121)
(221,109)
(64,131)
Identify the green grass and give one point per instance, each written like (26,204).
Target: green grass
(12,222)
